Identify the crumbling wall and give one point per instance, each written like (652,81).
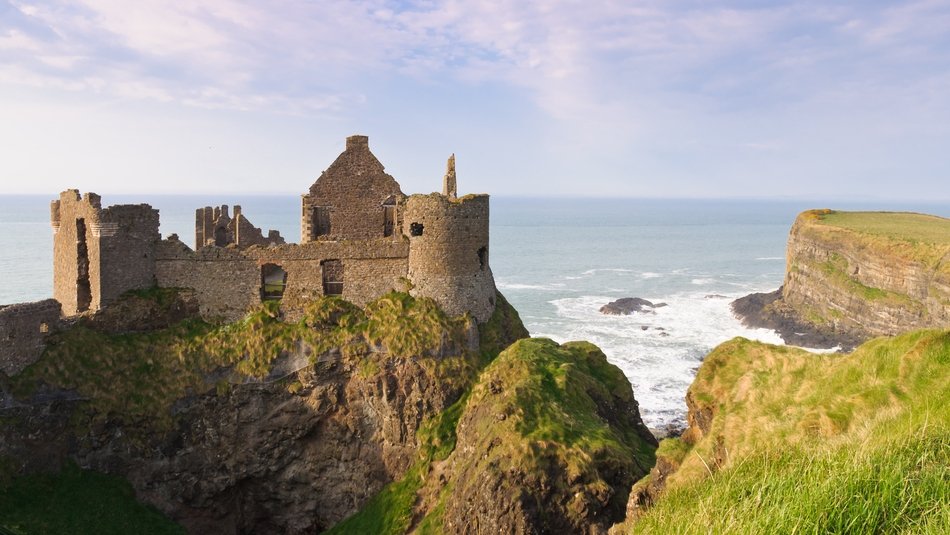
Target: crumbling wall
(227,280)
(69,239)
(246,234)
(353,189)
(127,237)
(215,226)
(24,328)
(448,252)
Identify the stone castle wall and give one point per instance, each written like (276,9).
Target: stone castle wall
(24,328)
(228,281)
(127,238)
(214,226)
(448,252)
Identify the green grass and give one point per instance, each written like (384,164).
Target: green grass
(77,502)
(138,376)
(919,238)
(804,443)
(893,225)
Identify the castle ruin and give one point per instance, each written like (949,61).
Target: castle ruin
(361,237)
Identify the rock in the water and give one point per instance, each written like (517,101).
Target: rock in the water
(629,305)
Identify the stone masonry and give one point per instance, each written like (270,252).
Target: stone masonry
(349,200)
(23,331)
(100,253)
(213,226)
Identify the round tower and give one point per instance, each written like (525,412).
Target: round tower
(448,252)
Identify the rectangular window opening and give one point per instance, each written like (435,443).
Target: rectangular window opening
(332,277)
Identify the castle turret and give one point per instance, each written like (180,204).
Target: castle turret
(448,252)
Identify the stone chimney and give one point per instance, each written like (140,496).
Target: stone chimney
(357,142)
(449,186)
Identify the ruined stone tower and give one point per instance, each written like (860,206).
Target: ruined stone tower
(100,253)
(448,252)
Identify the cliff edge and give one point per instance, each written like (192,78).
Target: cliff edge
(851,276)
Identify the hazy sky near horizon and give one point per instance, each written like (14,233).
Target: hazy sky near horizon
(807,99)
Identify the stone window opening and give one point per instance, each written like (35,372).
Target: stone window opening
(44,327)
(415,229)
(220,237)
(320,221)
(482,257)
(389,216)
(332,277)
(273,282)
(83,288)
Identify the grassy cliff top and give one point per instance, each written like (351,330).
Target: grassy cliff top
(916,237)
(795,442)
(907,226)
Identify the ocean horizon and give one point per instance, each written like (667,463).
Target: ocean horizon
(557,260)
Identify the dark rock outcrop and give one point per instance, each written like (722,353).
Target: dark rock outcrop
(629,305)
(768,311)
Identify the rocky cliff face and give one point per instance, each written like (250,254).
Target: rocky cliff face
(852,276)
(290,452)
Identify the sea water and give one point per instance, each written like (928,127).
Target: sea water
(557,261)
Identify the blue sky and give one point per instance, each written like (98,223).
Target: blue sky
(633,99)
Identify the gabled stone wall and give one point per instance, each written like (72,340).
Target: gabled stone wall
(353,189)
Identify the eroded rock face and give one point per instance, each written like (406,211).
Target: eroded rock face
(842,286)
(256,459)
(629,305)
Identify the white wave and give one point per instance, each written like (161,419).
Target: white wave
(518,286)
(703,281)
(771,258)
(650,275)
(607,270)
(660,351)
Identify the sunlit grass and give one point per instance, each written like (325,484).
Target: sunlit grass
(804,443)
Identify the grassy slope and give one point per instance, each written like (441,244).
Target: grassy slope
(804,443)
(548,396)
(893,225)
(138,376)
(77,502)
